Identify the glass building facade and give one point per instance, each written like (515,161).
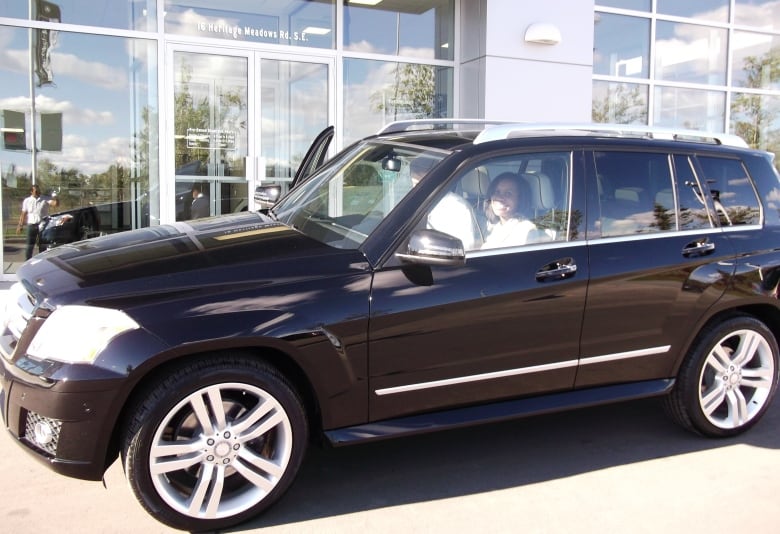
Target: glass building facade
(700,64)
(124,107)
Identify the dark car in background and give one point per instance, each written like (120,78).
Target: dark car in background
(634,262)
(70,225)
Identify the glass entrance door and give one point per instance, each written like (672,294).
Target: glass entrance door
(239,121)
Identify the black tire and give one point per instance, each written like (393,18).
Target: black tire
(236,433)
(728,379)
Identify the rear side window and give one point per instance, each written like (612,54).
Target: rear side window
(733,195)
(636,193)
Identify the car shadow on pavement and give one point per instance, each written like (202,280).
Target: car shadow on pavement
(491,457)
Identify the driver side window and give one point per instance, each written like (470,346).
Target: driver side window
(506,202)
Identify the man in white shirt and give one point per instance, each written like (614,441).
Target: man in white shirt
(452,214)
(35,208)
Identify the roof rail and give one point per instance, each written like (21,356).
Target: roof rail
(435,124)
(506,131)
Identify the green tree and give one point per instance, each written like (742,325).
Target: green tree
(411,95)
(194,112)
(752,115)
(663,218)
(624,104)
(188,113)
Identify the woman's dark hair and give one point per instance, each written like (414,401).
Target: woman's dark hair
(523,190)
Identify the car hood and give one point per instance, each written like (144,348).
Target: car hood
(240,250)
(71,211)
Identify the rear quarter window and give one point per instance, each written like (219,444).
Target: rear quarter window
(732,191)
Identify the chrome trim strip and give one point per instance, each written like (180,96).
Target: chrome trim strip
(651,351)
(653,235)
(546,245)
(476,378)
(625,355)
(477,253)
(742,228)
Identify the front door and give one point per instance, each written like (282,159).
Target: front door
(507,323)
(238,120)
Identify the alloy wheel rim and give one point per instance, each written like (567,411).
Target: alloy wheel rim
(736,379)
(220,451)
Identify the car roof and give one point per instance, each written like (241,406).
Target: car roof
(450,133)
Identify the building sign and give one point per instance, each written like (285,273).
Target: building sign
(254,32)
(211,139)
(301,23)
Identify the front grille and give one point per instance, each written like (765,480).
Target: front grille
(43,432)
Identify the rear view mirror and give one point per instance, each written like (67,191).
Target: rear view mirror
(391,163)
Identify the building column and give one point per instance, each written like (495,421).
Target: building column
(506,76)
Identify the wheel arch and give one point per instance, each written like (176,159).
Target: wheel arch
(277,358)
(767,313)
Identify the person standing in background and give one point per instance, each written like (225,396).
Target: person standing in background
(34,209)
(200,203)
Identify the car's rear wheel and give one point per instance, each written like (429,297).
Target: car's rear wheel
(728,379)
(214,443)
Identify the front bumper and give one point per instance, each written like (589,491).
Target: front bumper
(65,414)
(63,423)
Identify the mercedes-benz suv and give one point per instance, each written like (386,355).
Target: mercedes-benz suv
(435,275)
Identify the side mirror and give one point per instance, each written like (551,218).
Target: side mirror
(267,195)
(431,247)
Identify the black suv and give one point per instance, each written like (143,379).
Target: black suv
(435,275)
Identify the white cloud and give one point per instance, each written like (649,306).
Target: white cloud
(764,16)
(90,72)
(93,73)
(89,157)
(14,60)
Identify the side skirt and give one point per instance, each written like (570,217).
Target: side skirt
(496,412)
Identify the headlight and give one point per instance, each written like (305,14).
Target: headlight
(77,334)
(16,309)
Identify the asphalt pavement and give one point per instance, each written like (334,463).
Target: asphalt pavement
(623,468)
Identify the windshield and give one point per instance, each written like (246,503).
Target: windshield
(342,203)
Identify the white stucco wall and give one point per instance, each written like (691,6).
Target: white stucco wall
(504,77)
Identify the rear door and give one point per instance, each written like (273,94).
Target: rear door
(658,260)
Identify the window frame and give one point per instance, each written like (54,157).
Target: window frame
(703,180)
(594,209)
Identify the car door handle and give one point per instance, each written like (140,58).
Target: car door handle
(557,270)
(700,247)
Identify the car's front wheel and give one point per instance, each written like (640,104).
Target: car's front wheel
(728,379)
(214,443)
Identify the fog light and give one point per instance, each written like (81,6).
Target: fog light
(44,433)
